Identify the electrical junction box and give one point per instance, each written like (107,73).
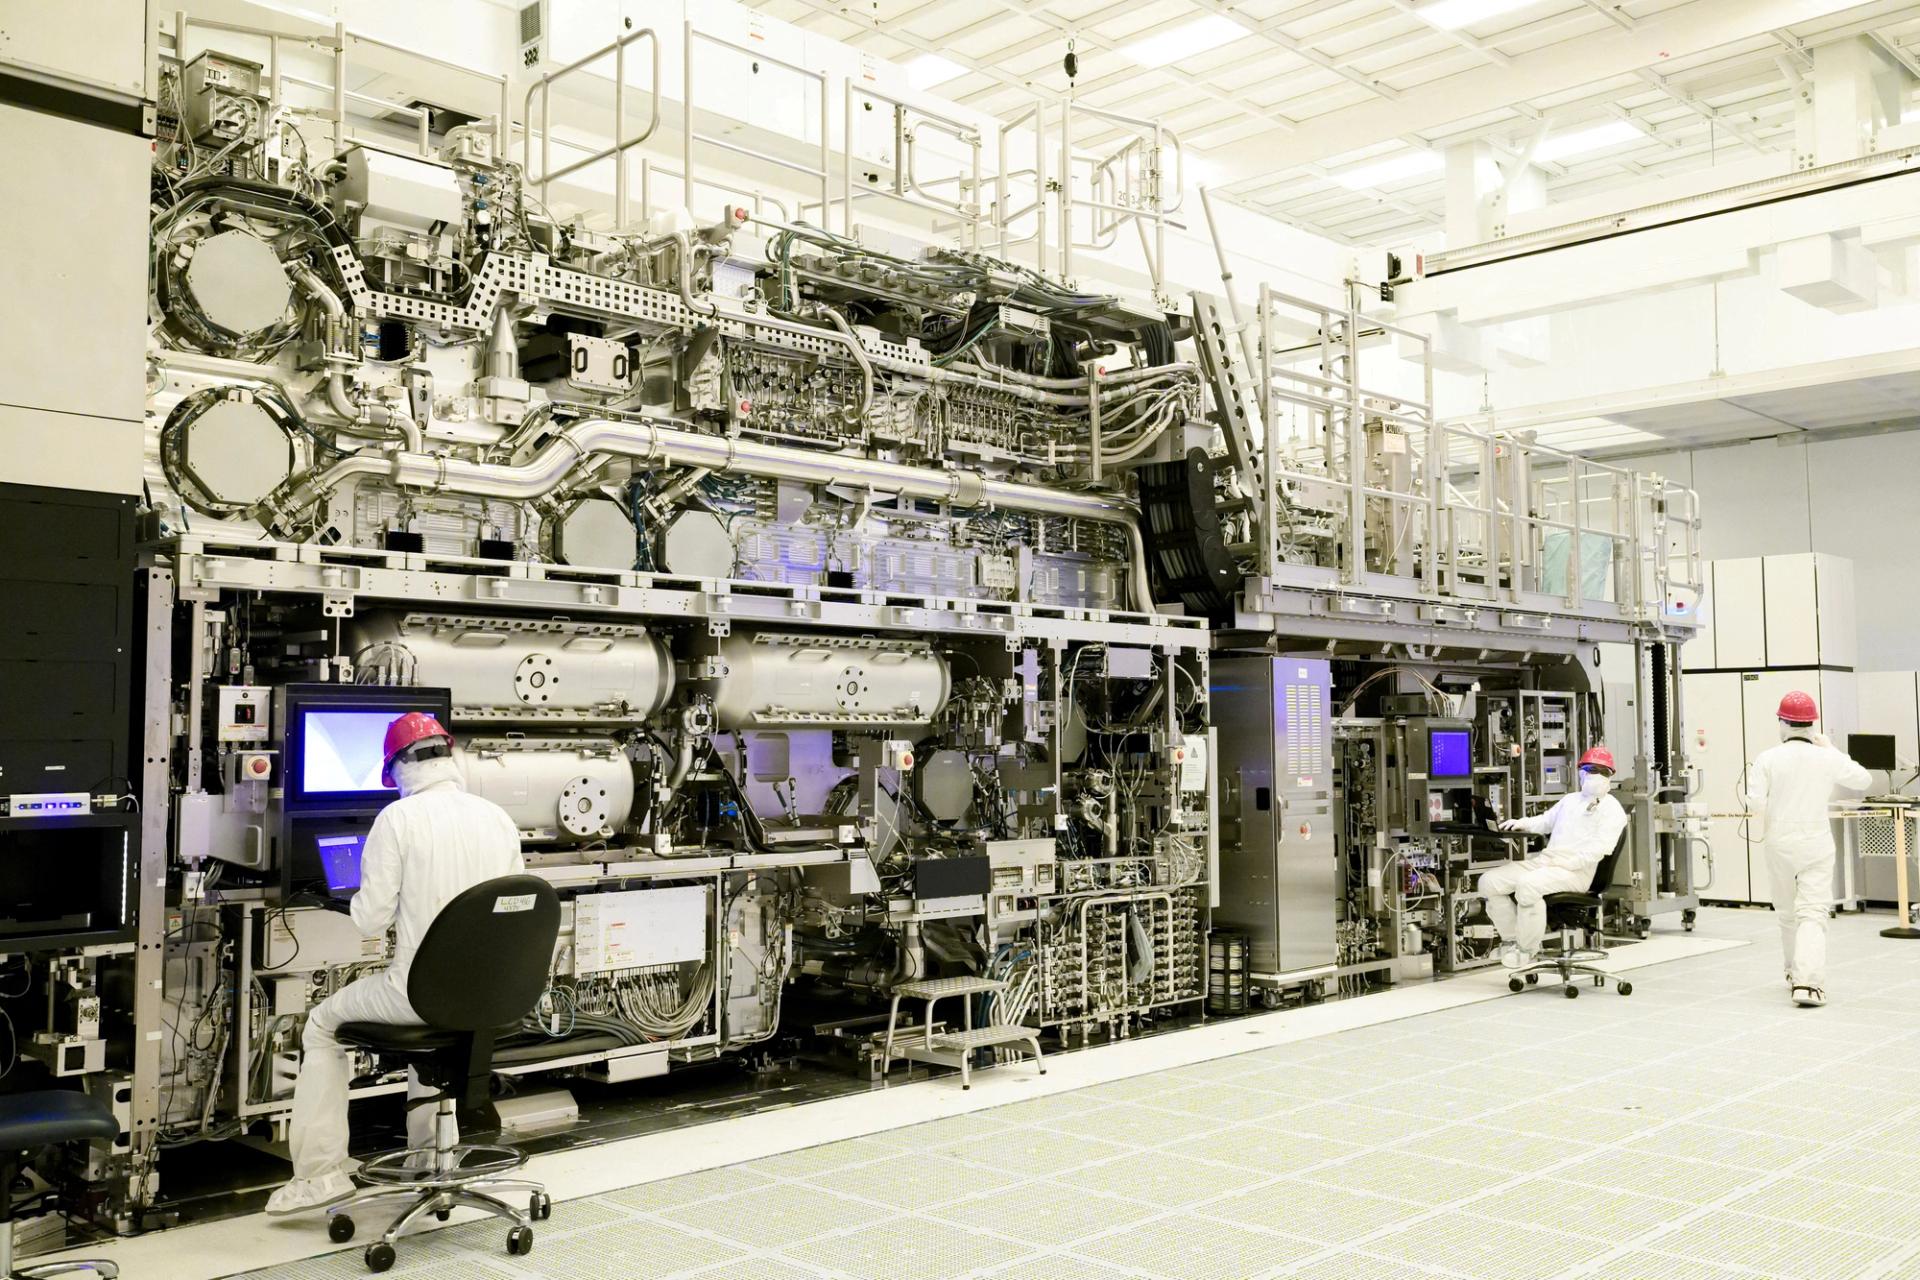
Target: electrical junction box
(242,710)
(1128,664)
(1190,756)
(304,941)
(639,928)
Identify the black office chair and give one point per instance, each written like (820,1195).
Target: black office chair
(479,971)
(1584,914)
(28,1122)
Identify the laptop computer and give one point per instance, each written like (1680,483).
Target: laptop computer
(340,863)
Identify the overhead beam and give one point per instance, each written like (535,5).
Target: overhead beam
(1679,33)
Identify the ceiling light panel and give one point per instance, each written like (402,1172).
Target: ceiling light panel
(1184,41)
(1451,15)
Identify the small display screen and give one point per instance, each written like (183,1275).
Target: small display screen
(1449,753)
(1872,750)
(343,751)
(340,861)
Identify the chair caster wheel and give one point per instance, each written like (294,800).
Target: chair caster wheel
(520,1241)
(1624,988)
(1514,984)
(379,1256)
(1599,982)
(1533,979)
(539,1206)
(339,1228)
(443,1214)
(1572,991)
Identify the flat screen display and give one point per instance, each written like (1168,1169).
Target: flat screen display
(1449,753)
(340,861)
(343,751)
(1873,750)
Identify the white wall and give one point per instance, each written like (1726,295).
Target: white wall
(1852,497)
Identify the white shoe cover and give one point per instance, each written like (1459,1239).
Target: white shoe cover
(302,1194)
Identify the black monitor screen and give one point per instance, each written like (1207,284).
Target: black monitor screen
(1872,750)
(1449,753)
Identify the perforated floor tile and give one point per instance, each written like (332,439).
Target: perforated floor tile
(1057,1266)
(1656,1175)
(611,1252)
(1757,1151)
(1496,1148)
(1048,1108)
(757,1268)
(1188,1248)
(826,1158)
(1641,1265)
(1221,1069)
(908,1249)
(1606,1213)
(1892,1214)
(1263,1150)
(1907,1269)
(1136,1088)
(687,1188)
(1044,1213)
(1553,1117)
(776,1215)
(1789,1122)
(1223,1101)
(1776,1248)
(1350,1123)
(1487,1248)
(1157,1178)
(1422,1098)
(1867,1167)
(917,1182)
(1039,1152)
(952,1131)
(1129,1122)
(1358,1266)
(1406,1177)
(1311,1211)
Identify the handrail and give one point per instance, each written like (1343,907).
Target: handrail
(691,133)
(620,145)
(905,188)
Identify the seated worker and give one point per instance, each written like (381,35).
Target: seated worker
(424,850)
(1581,831)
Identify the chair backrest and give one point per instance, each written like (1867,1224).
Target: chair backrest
(486,956)
(1603,874)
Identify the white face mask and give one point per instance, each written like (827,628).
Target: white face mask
(1594,784)
(1789,731)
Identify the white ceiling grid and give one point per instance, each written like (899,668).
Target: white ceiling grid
(1303,59)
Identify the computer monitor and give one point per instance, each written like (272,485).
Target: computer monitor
(335,738)
(340,861)
(1872,750)
(1449,753)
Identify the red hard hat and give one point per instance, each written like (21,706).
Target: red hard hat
(1598,757)
(1799,708)
(403,733)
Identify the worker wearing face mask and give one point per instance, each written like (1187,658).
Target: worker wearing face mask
(1788,790)
(424,850)
(1582,829)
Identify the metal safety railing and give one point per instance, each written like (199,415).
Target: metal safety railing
(1127,185)
(820,171)
(906,186)
(339,43)
(618,148)
(1461,515)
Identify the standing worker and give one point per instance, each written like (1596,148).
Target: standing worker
(1789,787)
(424,850)
(1581,830)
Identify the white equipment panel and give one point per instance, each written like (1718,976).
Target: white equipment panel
(639,928)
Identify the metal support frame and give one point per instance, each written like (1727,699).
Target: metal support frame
(905,187)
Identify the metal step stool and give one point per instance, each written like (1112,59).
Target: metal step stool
(955,1048)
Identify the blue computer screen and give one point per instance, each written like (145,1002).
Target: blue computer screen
(340,861)
(1449,753)
(342,751)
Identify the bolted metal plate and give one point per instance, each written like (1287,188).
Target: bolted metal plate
(597,534)
(238,281)
(237,452)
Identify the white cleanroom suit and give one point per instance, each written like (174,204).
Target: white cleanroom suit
(1581,831)
(424,850)
(1789,788)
